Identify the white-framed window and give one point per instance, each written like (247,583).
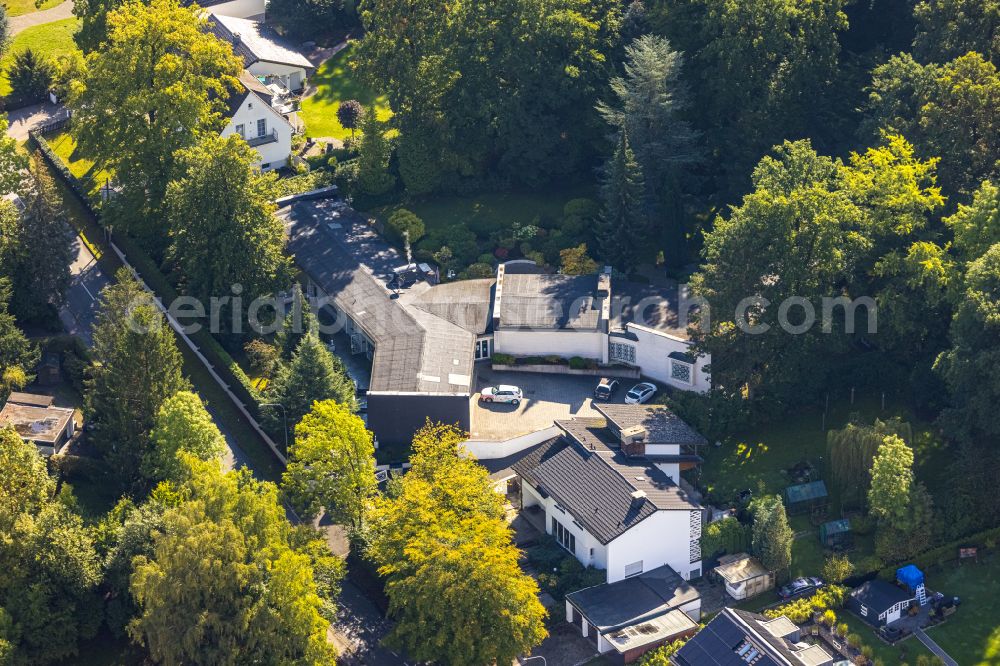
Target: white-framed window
(621,352)
(565,538)
(262,127)
(864,610)
(241,129)
(633,569)
(681,371)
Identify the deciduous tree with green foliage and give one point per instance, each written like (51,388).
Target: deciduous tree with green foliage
(13,161)
(771,536)
(447,556)
(222,227)
(851,451)
(331,465)
(373,156)
(899,502)
(49,569)
(157,84)
(948,29)
(182,424)
(223,583)
(137,367)
(576,261)
(837,568)
(976,225)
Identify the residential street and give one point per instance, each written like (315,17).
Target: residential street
(79,311)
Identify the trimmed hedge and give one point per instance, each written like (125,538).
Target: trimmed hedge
(946,553)
(149,271)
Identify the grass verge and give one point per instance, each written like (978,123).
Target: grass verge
(49,40)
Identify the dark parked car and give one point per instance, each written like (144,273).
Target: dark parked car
(800,586)
(605,388)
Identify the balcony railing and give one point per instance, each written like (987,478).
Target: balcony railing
(272,137)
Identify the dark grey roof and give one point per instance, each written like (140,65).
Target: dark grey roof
(647,305)
(596,487)
(613,606)
(254,41)
(879,595)
(662,425)
(550,302)
(465,303)
(502,468)
(415,351)
(717,643)
(591,432)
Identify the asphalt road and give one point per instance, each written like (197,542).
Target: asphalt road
(79,312)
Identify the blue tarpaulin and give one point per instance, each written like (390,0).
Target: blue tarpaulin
(910,576)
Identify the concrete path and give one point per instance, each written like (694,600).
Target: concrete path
(25,21)
(934,647)
(32,117)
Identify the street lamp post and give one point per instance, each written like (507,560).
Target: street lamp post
(284,418)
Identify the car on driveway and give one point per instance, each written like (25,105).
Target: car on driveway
(605,388)
(800,586)
(502,393)
(640,394)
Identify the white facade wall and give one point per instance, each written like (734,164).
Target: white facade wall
(490,450)
(652,351)
(240,8)
(274,154)
(673,470)
(662,538)
(293,77)
(589,551)
(586,344)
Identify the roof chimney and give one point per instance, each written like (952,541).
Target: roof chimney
(633,440)
(236,38)
(639,495)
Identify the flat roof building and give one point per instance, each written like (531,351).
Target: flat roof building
(36,420)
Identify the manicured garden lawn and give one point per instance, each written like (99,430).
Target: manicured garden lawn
(18,7)
(335,81)
(972,635)
(486,212)
(65,147)
(761,458)
(906,650)
(50,40)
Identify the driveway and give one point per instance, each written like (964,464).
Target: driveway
(25,21)
(547,398)
(79,312)
(32,117)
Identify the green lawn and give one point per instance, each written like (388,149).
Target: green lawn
(50,40)
(64,146)
(972,635)
(906,650)
(335,81)
(18,7)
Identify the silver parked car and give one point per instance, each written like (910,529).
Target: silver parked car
(640,394)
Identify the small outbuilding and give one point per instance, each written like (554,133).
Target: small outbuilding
(744,576)
(36,420)
(836,534)
(806,497)
(879,602)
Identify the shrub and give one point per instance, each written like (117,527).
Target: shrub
(724,536)
(576,261)
(262,357)
(349,114)
(854,640)
(828,619)
(503,359)
(837,568)
(478,270)
(30,74)
(402,222)
(800,610)
(842,629)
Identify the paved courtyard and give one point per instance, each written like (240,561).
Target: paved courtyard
(547,398)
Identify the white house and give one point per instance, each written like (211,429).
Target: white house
(265,54)
(608,504)
(253,117)
(596,318)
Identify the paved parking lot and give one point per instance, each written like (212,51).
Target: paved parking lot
(547,398)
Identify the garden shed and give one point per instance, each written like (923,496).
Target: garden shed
(744,576)
(836,534)
(806,497)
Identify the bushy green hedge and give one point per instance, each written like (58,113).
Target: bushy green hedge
(946,552)
(503,359)
(724,536)
(800,610)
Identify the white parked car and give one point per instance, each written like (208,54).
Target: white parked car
(502,393)
(640,393)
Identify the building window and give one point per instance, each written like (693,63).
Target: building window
(622,353)
(565,538)
(633,569)
(262,127)
(241,130)
(681,372)
(864,611)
